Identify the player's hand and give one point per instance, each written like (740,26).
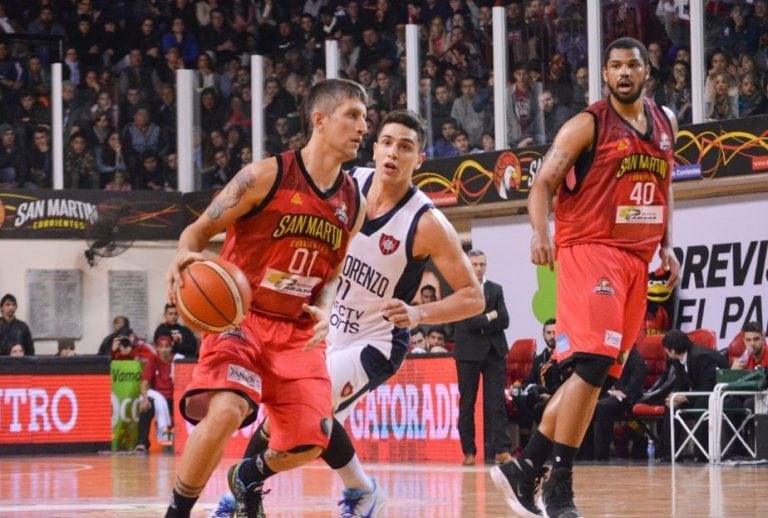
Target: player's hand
(400,313)
(173,277)
(542,250)
(320,318)
(670,264)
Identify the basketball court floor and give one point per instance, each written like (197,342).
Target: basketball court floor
(113,485)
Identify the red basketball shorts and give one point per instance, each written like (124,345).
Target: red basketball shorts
(263,361)
(601,299)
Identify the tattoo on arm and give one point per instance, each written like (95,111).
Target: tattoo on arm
(560,160)
(231,195)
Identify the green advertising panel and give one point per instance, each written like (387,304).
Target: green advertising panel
(126,387)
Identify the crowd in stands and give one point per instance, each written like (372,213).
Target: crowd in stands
(119,61)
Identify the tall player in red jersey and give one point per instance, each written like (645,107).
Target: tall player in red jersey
(289,220)
(611,168)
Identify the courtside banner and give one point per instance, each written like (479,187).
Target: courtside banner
(126,388)
(412,417)
(50,407)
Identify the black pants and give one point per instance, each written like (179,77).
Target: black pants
(608,410)
(493,371)
(145,420)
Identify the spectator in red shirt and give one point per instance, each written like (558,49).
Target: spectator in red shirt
(157,393)
(127,346)
(754,354)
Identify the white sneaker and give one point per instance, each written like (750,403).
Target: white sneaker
(357,504)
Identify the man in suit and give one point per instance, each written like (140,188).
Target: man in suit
(697,369)
(481,349)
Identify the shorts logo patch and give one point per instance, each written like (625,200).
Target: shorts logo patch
(563,344)
(244,377)
(604,287)
(346,391)
(612,338)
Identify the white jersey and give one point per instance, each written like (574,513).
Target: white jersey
(379,265)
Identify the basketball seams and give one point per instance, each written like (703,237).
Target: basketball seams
(233,289)
(230,286)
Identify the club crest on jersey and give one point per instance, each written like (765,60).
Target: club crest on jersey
(341,213)
(388,244)
(664,142)
(604,287)
(346,391)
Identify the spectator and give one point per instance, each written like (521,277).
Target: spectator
(545,378)
(140,136)
(148,41)
(580,97)
(438,40)
(130,105)
(110,158)
(481,350)
(72,69)
(679,92)
(26,115)
(112,42)
(352,22)
(86,42)
(461,143)
(557,80)
(375,52)
(442,105)
(66,348)
(417,344)
(150,175)
(221,173)
(218,38)
(489,143)
(554,113)
(45,25)
(118,323)
(13,332)
(80,165)
(278,142)
(212,116)
(37,79)
(138,75)
(723,105)
(436,340)
(653,88)
(718,63)
(40,173)
(443,147)
(277,103)
(522,111)
(105,106)
(156,399)
(212,145)
(463,111)
(182,338)
(11,75)
(119,182)
(738,36)
(178,37)
(751,98)
(13,160)
(127,346)
(16,351)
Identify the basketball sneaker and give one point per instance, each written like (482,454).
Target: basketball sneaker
(359,504)
(247,498)
(518,481)
(557,495)
(226,507)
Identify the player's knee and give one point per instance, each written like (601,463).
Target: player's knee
(593,369)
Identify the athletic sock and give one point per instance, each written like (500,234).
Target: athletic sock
(258,443)
(255,470)
(538,450)
(181,506)
(340,456)
(354,477)
(562,456)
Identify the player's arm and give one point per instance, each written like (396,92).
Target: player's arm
(436,237)
(572,140)
(321,306)
(245,191)
(666,253)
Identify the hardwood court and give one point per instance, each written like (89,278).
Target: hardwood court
(139,486)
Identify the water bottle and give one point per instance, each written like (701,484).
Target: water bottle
(651,450)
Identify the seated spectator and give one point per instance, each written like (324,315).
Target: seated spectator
(182,338)
(118,323)
(13,332)
(489,143)
(754,348)
(37,78)
(436,340)
(140,136)
(40,173)
(119,182)
(16,351)
(156,400)
(417,344)
(723,105)
(461,143)
(151,174)
(751,98)
(465,113)
(523,112)
(110,158)
(679,92)
(185,43)
(127,346)
(66,348)
(138,75)
(443,147)
(80,165)
(555,114)
(13,162)
(205,75)
(26,115)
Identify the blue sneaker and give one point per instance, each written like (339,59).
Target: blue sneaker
(226,507)
(359,504)
(247,498)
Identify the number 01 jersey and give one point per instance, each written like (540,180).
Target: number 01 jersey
(617,194)
(379,265)
(289,244)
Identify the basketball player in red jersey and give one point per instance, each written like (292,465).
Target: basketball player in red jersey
(289,220)
(611,168)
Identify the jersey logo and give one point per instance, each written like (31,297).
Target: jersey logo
(296,199)
(604,287)
(341,213)
(347,390)
(622,145)
(388,244)
(664,142)
(639,214)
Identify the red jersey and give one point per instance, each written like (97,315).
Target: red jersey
(159,374)
(754,363)
(617,193)
(291,242)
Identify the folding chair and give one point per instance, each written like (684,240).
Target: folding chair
(679,416)
(724,417)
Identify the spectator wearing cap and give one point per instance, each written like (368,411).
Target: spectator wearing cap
(13,161)
(156,400)
(66,348)
(12,330)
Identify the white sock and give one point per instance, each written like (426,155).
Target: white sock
(353,476)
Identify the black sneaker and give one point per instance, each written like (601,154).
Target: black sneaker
(557,495)
(519,481)
(247,498)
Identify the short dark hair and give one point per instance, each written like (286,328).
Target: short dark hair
(677,341)
(332,90)
(169,306)
(626,43)
(549,322)
(408,119)
(427,287)
(437,329)
(416,330)
(476,252)
(752,327)
(8,297)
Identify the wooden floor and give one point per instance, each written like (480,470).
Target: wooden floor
(138,486)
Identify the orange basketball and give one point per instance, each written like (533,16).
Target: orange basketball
(214,296)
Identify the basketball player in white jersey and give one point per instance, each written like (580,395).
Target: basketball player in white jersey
(371,315)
